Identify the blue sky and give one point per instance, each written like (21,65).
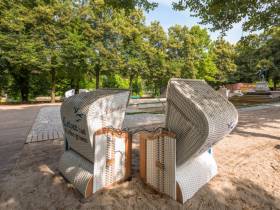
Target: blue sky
(168,17)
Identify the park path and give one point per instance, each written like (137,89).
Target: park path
(47,126)
(15,124)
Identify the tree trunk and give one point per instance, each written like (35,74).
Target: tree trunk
(53,81)
(77,86)
(72,84)
(130,83)
(155,90)
(162,90)
(22,81)
(275,84)
(97,75)
(24,91)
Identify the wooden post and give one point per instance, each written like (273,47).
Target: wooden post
(128,151)
(142,154)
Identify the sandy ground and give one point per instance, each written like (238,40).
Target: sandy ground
(249,174)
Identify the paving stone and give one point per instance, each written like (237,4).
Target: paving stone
(47,125)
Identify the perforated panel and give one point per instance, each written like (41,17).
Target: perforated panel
(120,158)
(193,174)
(99,178)
(83,114)
(110,156)
(198,115)
(161,156)
(76,169)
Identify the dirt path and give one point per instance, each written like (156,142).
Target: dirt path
(15,123)
(248,162)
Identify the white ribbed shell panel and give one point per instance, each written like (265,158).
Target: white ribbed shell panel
(83,114)
(195,173)
(76,170)
(120,158)
(108,147)
(198,115)
(99,178)
(161,165)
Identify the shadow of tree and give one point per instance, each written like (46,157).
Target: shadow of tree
(233,193)
(264,123)
(255,134)
(15,123)
(35,183)
(277,146)
(259,118)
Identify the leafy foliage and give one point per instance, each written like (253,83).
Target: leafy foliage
(189,53)
(224,59)
(222,14)
(48,47)
(246,59)
(257,52)
(132,4)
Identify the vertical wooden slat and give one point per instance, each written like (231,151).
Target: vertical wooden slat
(179,195)
(128,152)
(89,188)
(143,158)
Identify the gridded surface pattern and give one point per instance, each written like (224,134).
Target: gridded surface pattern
(83,114)
(47,125)
(110,160)
(198,115)
(76,169)
(161,156)
(193,174)
(110,156)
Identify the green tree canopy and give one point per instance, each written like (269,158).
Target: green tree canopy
(255,14)
(188,52)
(50,46)
(132,4)
(156,57)
(247,59)
(19,43)
(259,52)
(269,54)
(221,14)
(133,46)
(224,57)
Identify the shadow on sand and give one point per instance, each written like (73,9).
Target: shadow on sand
(35,182)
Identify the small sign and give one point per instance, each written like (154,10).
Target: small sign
(262,86)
